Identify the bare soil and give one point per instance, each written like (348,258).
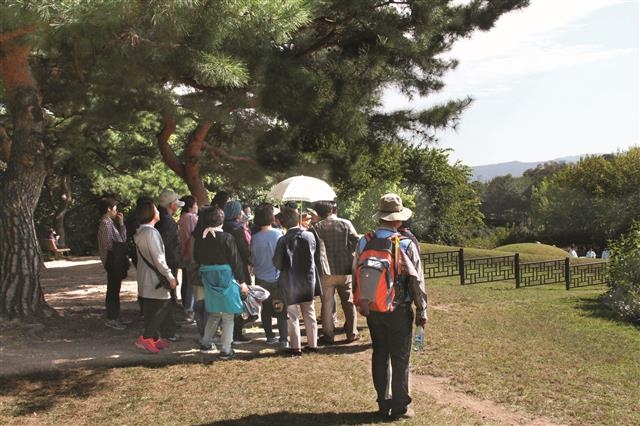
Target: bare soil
(75,288)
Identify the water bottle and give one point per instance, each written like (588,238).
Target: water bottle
(418,338)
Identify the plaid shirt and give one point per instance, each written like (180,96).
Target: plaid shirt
(340,239)
(107,234)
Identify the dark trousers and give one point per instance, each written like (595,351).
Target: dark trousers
(391,342)
(172,292)
(238,323)
(200,315)
(112,300)
(267,313)
(157,318)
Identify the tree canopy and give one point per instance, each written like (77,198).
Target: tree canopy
(217,86)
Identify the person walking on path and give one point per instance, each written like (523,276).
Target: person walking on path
(263,246)
(221,269)
(168,204)
(340,239)
(299,280)
(186,225)
(108,232)
(233,225)
(159,326)
(391,331)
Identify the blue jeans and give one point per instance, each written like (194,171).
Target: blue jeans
(213,321)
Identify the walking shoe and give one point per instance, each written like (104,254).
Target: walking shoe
(241,340)
(115,324)
(353,338)
(294,353)
(226,356)
(125,321)
(309,349)
(175,338)
(146,345)
(272,340)
(162,343)
(408,414)
(324,340)
(208,349)
(283,344)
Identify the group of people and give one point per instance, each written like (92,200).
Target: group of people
(589,253)
(294,256)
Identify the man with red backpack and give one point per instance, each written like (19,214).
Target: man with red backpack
(388,277)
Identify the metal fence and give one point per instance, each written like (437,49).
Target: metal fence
(487,269)
(442,264)
(587,274)
(502,268)
(541,273)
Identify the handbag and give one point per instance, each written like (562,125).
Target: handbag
(164,282)
(118,259)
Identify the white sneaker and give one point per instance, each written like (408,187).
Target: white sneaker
(208,349)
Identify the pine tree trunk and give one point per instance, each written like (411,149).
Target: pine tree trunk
(20,260)
(20,257)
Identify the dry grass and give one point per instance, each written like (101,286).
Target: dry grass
(320,389)
(544,351)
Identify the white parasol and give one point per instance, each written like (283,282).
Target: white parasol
(302,188)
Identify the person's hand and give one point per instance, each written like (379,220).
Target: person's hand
(120,218)
(421,319)
(173,284)
(244,289)
(363,308)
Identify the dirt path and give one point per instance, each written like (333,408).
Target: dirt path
(76,289)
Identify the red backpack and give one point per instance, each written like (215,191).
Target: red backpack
(376,272)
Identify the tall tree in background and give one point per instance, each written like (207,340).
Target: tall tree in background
(592,201)
(308,77)
(22,167)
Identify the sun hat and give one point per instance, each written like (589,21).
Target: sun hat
(390,208)
(167,197)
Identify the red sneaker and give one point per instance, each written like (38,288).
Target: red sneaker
(146,345)
(162,343)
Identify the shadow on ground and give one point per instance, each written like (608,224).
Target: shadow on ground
(287,418)
(597,309)
(39,392)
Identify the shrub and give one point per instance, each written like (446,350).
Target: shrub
(623,297)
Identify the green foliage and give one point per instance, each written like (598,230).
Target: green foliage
(624,275)
(361,208)
(590,202)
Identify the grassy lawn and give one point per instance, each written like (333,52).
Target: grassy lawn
(548,350)
(543,351)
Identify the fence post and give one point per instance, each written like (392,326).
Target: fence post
(461,265)
(516,266)
(567,273)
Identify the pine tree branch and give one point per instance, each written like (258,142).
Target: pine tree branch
(168,155)
(194,145)
(10,35)
(215,153)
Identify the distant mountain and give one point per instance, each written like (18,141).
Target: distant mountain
(487,172)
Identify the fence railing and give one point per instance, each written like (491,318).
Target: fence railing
(502,268)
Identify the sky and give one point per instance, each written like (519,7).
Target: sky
(558,78)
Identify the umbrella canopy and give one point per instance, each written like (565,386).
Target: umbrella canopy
(302,188)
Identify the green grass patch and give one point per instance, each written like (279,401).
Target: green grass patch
(553,352)
(543,250)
